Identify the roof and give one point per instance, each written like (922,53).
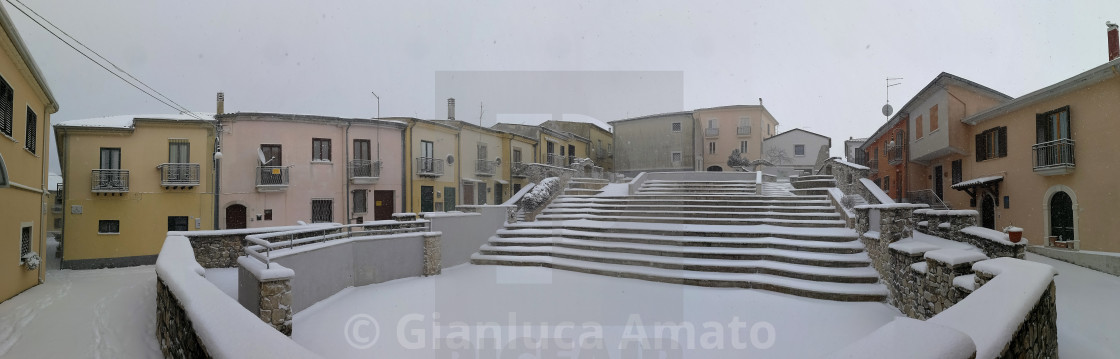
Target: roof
(977,182)
(128,121)
(580,120)
(13,35)
(667,114)
(394,121)
(1095,75)
(798,129)
(939,81)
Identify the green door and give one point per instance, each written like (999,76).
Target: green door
(449,198)
(427,199)
(498,188)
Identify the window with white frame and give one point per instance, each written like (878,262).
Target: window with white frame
(798,150)
(359,199)
(743,146)
(321,149)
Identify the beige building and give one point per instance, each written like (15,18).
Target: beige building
(483,178)
(727,128)
(554,147)
(798,149)
(1045,162)
(431,153)
(521,150)
(131,180)
(656,143)
(600,146)
(26,105)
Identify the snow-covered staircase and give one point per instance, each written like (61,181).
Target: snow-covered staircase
(707,233)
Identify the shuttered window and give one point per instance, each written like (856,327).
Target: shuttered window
(6,108)
(32,130)
(991,144)
(957,171)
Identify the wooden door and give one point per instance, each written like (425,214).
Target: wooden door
(235,216)
(382,205)
(427,199)
(1061,216)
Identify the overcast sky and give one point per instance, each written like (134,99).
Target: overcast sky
(817,65)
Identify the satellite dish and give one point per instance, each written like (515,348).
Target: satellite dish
(260,156)
(887,110)
(498,160)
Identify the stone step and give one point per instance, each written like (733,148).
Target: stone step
(726,201)
(872,292)
(695,214)
(707,221)
(709,247)
(701,182)
(699,208)
(809,191)
(815,177)
(818,183)
(586,185)
(581,192)
(777,262)
(692,230)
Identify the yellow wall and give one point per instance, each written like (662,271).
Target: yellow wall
(1093,113)
(23,201)
(144,209)
(445,140)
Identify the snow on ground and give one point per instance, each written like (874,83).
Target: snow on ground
(224,278)
(615,190)
(474,302)
(104,313)
(1087,317)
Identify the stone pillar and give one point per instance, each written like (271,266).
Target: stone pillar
(276,304)
(904,283)
(921,215)
(959,220)
(895,223)
(432,258)
(272,299)
(942,266)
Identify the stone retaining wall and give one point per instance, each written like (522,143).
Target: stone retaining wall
(173,328)
(220,249)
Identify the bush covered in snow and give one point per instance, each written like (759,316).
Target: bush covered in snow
(31,261)
(541,193)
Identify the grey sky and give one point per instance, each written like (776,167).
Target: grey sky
(818,65)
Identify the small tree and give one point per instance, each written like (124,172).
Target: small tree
(735,160)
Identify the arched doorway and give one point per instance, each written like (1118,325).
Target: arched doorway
(1061,216)
(715,169)
(235,216)
(988,212)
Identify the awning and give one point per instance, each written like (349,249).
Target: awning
(991,183)
(470,180)
(502,181)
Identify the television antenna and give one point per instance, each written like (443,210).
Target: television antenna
(887,109)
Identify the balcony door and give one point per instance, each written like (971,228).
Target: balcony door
(363,167)
(938,183)
(110,177)
(427,152)
(273,157)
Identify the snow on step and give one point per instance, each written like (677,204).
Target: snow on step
(844,233)
(664,213)
(701,244)
(808,288)
(712,221)
(839,259)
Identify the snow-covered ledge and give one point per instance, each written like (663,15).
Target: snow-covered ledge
(195,319)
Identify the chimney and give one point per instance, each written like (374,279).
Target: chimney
(221,103)
(451,108)
(760,101)
(1113,41)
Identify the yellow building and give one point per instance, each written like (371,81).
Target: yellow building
(554,147)
(431,152)
(130,180)
(600,141)
(482,178)
(26,105)
(520,154)
(54,217)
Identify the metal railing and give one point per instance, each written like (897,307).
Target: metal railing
(485,168)
(553,159)
(743,130)
(261,245)
(518,169)
(432,167)
(365,169)
(896,154)
(109,181)
(1054,154)
(873,164)
(926,196)
(179,174)
(272,176)
(711,132)
(597,172)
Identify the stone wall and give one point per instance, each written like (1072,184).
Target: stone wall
(432,255)
(847,177)
(220,249)
(958,221)
(276,304)
(174,330)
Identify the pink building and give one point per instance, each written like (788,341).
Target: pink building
(278,169)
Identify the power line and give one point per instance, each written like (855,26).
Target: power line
(176,106)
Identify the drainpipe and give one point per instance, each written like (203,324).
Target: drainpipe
(217,179)
(346,161)
(43,196)
(405,167)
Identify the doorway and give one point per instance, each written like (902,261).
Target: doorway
(427,199)
(498,189)
(1061,217)
(938,174)
(382,205)
(988,212)
(235,216)
(449,198)
(715,169)
(468,194)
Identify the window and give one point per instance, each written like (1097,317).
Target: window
(745,121)
(713,123)
(768,129)
(561,151)
(58,223)
(886,183)
(427,149)
(108,227)
(273,155)
(743,147)
(798,150)
(957,172)
(322,210)
(991,144)
(268,214)
(918,128)
(6,108)
(482,151)
(517,155)
(676,127)
(24,242)
(676,158)
(110,158)
(32,130)
(359,199)
(3,173)
(1053,126)
(178,151)
(609,149)
(933,119)
(178,223)
(361,150)
(711,147)
(321,149)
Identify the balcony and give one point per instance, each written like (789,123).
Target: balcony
(364,171)
(743,130)
(711,132)
(57,207)
(109,181)
(896,154)
(485,168)
(1054,157)
(429,167)
(555,160)
(272,178)
(873,164)
(178,175)
(519,170)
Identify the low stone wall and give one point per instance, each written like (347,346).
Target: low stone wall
(174,329)
(847,176)
(962,227)
(220,248)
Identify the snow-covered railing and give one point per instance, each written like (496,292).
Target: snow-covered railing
(221,248)
(268,242)
(541,195)
(196,319)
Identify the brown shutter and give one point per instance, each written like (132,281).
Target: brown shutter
(1002,141)
(1040,128)
(980,148)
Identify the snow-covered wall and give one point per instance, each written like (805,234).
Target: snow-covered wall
(465,233)
(195,319)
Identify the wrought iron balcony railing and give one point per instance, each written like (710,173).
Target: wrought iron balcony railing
(1054,157)
(555,160)
(873,164)
(518,169)
(179,174)
(272,178)
(896,154)
(711,132)
(109,181)
(743,130)
(364,171)
(484,167)
(429,167)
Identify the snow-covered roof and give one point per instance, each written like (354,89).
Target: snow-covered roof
(127,121)
(977,181)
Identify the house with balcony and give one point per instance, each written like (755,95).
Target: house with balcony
(600,145)
(54,217)
(521,155)
(555,148)
(130,179)
(887,170)
(483,176)
(797,149)
(26,106)
(280,169)
(737,127)
(431,167)
(656,143)
(1045,162)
